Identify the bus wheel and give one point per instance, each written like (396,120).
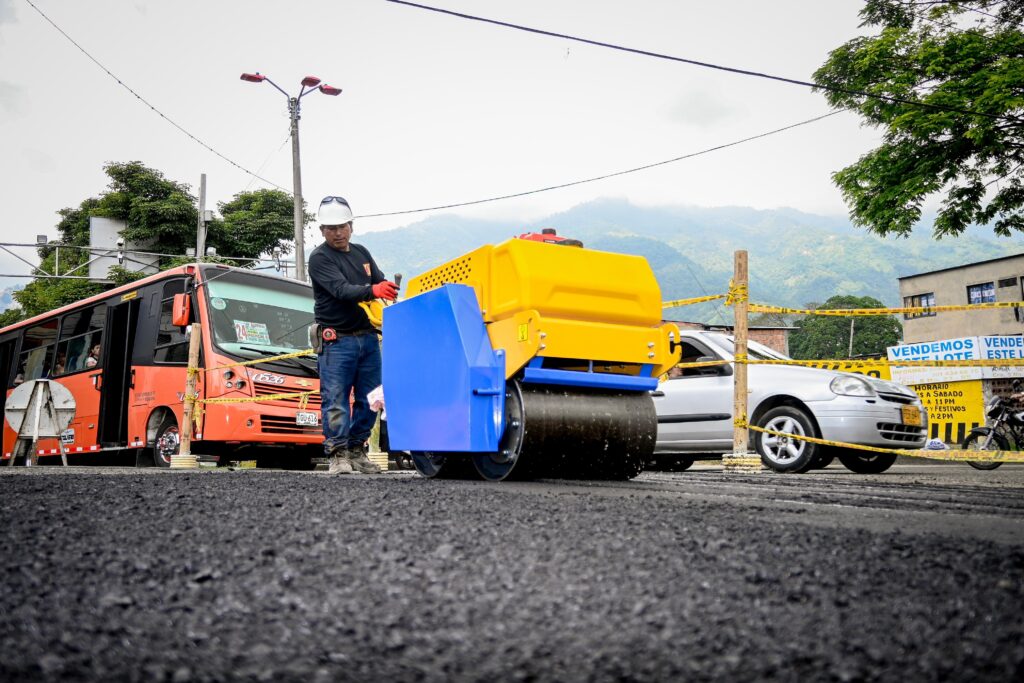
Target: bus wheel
(166,443)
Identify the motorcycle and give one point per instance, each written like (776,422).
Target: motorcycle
(1007,427)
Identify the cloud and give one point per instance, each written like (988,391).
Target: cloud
(701,108)
(7,14)
(11,96)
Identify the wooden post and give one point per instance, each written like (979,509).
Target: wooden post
(740,460)
(184,459)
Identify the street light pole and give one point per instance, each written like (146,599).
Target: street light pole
(300,248)
(309,84)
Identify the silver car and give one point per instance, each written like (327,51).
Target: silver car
(695,411)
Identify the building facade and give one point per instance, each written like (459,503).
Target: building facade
(1000,279)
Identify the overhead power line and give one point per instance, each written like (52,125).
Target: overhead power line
(707,65)
(607,175)
(145,102)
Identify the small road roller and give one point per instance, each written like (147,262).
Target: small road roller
(530,358)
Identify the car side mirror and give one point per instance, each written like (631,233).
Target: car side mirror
(181,310)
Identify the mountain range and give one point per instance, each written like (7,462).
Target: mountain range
(795,258)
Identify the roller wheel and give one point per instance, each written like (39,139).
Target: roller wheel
(507,459)
(442,465)
(976,442)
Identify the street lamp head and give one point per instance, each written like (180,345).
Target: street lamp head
(310,81)
(329,90)
(254,78)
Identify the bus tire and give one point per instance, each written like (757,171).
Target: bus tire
(167,442)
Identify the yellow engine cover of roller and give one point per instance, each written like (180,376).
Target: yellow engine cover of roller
(559,301)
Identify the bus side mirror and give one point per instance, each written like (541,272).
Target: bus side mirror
(181,313)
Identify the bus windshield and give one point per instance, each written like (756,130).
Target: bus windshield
(254,316)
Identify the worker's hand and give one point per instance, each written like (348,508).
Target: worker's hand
(386,290)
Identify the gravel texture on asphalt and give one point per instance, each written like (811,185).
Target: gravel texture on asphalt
(277,576)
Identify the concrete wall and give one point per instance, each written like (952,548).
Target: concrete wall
(950,288)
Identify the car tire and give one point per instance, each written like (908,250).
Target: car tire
(672,463)
(167,442)
(781,453)
(866,462)
(823,459)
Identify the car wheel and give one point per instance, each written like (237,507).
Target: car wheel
(782,453)
(167,442)
(866,462)
(823,459)
(672,463)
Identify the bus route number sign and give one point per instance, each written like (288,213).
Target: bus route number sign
(307,419)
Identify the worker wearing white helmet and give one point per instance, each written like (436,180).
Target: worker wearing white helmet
(343,275)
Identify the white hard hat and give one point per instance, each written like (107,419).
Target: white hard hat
(334,211)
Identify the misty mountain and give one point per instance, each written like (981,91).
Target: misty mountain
(795,258)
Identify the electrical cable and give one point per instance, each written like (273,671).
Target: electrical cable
(144,101)
(267,160)
(607,175)
(707,65)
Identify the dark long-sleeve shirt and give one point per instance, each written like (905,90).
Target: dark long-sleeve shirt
(341,279)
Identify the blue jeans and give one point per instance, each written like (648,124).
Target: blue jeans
(349,362)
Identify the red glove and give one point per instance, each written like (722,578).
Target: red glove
(385,290)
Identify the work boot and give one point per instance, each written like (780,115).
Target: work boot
(339,463)
(361,463)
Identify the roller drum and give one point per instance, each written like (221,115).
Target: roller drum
(573,433)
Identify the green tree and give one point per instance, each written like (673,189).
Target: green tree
(162,215)
(953,127)
(828,337)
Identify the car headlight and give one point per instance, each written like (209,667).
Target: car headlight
(851,386)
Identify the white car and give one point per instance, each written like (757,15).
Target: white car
(695,411)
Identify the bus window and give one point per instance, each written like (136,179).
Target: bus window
(37,347)
(171,342)
(81,334)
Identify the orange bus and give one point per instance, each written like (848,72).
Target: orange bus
(124,361)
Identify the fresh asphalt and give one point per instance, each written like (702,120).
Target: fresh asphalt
(147,575)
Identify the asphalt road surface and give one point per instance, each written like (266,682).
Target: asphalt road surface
(281,576)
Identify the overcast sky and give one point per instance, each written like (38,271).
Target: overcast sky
(435,109)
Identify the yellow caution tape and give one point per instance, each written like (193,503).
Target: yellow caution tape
(687,302)
(737,293)
(976,456)
(988,362)
(910,310)
(283,356)
(301,395)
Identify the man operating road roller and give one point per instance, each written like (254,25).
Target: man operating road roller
(343,275)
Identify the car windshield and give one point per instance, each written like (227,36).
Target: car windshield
(755,350)
(254,315)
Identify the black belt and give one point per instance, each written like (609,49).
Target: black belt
(329,334)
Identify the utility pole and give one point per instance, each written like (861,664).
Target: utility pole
(201,227)
(849,353)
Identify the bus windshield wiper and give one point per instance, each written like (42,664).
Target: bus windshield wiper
(294,362)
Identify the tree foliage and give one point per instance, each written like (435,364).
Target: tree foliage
(953,128)
(828,337)
(162,215)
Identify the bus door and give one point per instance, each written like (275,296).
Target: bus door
(116,377)
(6,360)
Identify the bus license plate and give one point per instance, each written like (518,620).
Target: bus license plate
(911,415)
(310,419)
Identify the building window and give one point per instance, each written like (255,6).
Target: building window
(919,301)
(981,294)
(1008,282)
